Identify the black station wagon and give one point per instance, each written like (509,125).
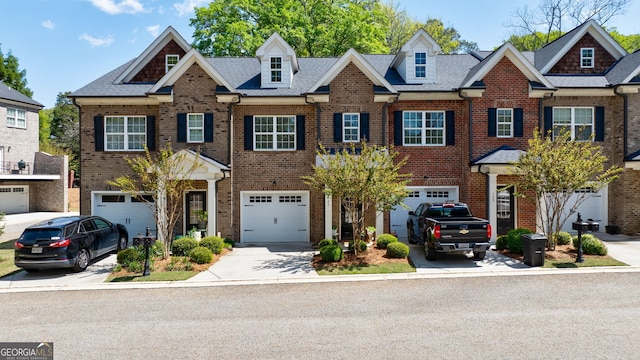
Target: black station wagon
(68,242)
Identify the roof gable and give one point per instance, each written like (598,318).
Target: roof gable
(12,95)
(276,41)
(352,56)
(170,34)
(552,53)
(509,51)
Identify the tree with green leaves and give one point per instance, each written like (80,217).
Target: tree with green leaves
(1,223)
(11,74)
(552,170)
(165,176)
(370,178)
(312,28)
(65,129)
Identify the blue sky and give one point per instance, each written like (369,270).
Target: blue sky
(65,44)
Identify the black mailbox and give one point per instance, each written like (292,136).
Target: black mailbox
(581,226)
(593,226)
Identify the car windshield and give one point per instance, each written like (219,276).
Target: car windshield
(39,234)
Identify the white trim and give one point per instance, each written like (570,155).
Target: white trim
(357,128)
(275,133)
(592,58)
(498,123)
(166,61)
(424,128)
(189,128)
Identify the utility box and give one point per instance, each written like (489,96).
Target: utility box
(533,246)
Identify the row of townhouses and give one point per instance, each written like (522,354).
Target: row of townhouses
(258,121)
(30,180)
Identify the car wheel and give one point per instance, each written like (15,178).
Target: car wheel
(123,242)
(429,252)
(410,235)
(82,261)
(479,255)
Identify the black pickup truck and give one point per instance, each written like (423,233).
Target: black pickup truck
(448,228)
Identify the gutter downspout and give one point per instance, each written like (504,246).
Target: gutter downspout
(318,114)
(385,119)
(470,100)
(230,161)
(625,121)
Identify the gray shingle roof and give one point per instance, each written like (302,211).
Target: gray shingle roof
(544,55)
(627,66)
(8,93)
(578,81)
(105,86)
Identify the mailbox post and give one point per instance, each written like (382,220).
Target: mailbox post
(582,227)
(146,241)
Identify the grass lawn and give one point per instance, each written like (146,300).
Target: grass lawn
(588,262)
(6,259)
(365,269)
(154,276)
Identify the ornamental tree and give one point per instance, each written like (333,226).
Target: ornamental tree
(360,178)
(552,170)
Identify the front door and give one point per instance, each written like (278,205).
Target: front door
(506,211)
(196,200)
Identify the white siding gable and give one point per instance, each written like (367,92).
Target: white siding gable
(421,44)
(278,63)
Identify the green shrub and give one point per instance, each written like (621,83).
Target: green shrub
(362,245)
(130,255)
(156,250)
(228,243)
(200,255)
(514,242)
(135,266)
(179,263)
(325,242)
(501,242)
(213,243)
(591,245)
(182,246)
(331,253)
(563,238)
(397,250)
(385,239)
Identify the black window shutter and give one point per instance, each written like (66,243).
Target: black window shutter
(599,123)
(491,122)
(300,132)
(548,119)
(364,126)
(182,127)
(98,135)
(397,128)
(208,127)
(151,133)
(451,127)
(248,132)
(337,127)
(518,122)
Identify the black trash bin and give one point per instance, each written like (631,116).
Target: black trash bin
(533,246)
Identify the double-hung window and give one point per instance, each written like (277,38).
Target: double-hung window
(504,122)
(274,132)
(195,128)
(586,57)
(423,128)
(350,127)
(421,64)
(16,118)
(577,120)
(126,133)
(170,62)
(276,69)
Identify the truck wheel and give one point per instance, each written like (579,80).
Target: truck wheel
(410,235)
(429,253)
(479,255)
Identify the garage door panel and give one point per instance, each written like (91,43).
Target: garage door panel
(275,217)
(417,195)
(594,207)
(14,199)
(121,209)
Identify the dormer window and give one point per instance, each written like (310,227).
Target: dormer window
(276,69)
(586,57)
(170,62)
(421,64)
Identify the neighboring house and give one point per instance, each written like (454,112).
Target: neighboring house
(257,123)
(29,180)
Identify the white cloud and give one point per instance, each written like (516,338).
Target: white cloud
(186,6)
(124,6)
(96,41)
(153,30)
(48,24)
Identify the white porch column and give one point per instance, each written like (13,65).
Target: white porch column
(328,215)
(379,223)
(212,208)
(493,204)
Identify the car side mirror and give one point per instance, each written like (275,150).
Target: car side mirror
(411,213)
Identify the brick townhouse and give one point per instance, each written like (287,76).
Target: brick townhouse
(257,122)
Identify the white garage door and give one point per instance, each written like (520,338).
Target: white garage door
(594,207)
(418,195)
(120,208)
(274,217)
(14,199)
